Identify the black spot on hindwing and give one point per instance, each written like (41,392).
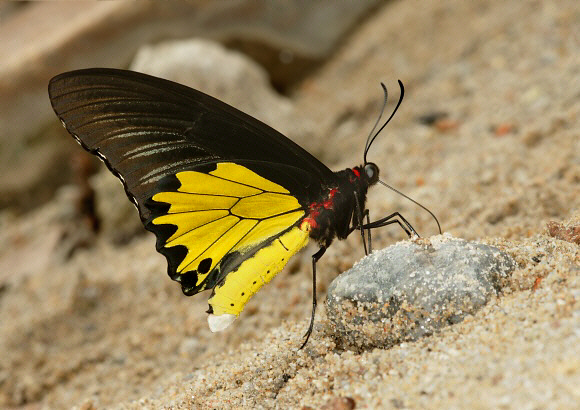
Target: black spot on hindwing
(188,282)
(204,265)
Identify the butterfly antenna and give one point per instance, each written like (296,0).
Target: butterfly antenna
(415,202)
(378,120)
(370,139)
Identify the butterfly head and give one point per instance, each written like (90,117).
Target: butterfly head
(371,173)
(365,175)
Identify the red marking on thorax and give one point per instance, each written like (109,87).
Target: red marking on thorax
(330,201)
(356,172)
(308,224)
(316,208)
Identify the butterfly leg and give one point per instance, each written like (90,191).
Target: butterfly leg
(360,225)
(394,218)
(368,248)
(367,213)
(315,259)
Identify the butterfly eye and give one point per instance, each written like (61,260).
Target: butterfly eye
(372,172)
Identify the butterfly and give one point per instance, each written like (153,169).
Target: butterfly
(229,198)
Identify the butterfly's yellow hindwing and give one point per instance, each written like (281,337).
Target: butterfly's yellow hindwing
(238,173)
(187,202)
(265,205)
(230,209)
(239,285)
(186,224)
(266,226)
(194,182)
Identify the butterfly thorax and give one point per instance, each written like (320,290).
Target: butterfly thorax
(331,215)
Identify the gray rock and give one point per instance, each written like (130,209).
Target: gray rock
(411,289)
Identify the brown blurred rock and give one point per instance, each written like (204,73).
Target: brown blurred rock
(32,171)
(565,233)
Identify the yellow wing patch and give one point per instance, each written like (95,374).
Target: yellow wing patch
(186,225)
(242,175)
(226,210)
(265,205)
(186,202)
(241,284)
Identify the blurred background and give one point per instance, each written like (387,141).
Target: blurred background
(487,138)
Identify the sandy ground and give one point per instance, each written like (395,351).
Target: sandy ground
(106,327)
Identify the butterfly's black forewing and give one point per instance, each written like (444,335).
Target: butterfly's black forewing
(146,128)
